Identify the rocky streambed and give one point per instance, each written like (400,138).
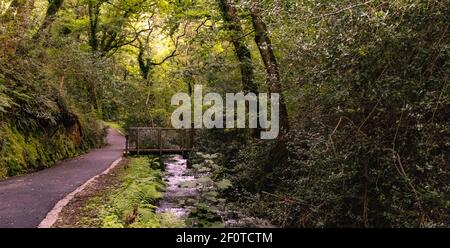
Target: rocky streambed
(183,193)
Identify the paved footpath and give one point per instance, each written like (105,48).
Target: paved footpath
(26,200)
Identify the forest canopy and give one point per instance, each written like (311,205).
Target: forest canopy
(364,107)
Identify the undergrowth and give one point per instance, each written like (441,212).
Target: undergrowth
(133,204)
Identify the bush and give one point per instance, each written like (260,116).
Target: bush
(149,118)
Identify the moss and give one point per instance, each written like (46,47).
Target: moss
(3,172)
(31,152)
(22,152)
(12,151)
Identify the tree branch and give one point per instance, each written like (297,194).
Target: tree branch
(173,54)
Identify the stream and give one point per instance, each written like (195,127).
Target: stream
(177,175)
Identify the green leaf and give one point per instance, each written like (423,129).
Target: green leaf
(224,184)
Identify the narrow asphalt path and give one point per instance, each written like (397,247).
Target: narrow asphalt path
(26,200)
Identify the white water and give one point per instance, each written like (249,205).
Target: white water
(177,174)
(176,178)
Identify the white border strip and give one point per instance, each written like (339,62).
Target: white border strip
(53,215)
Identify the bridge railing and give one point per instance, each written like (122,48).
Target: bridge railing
(151,140)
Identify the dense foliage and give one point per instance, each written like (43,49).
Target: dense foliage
(364,85)
(367,90)
(370,142)
(41,120)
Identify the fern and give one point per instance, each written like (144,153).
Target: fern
(5,101)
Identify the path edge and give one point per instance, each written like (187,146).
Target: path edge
(53,215)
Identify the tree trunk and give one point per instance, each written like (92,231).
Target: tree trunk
(144,64)
(94,12)
(53,7)
(264,44)
(243,53)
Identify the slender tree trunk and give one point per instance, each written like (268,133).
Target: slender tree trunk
(243,53)
(94,12)
(144,64)
(264,44)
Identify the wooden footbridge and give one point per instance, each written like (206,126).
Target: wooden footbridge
(152,140)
